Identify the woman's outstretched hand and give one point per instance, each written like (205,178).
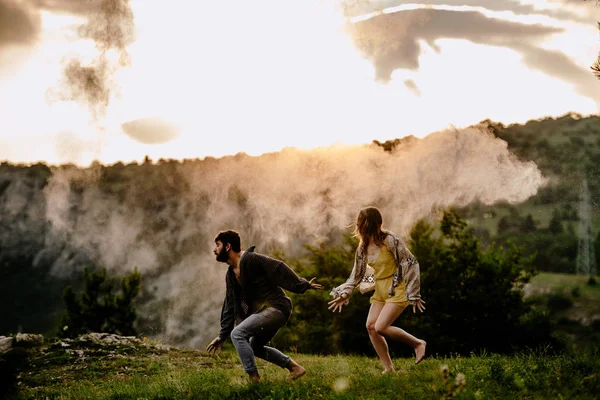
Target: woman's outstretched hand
(315,286)
(337,303)
(420,304)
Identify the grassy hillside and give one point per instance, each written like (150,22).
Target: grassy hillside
(546,283)
(93,370)
(572,302)
(582,300)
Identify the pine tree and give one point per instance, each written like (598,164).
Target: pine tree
(555,226)
(99,308)
(528,224)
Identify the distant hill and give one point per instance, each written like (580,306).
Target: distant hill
(567,151)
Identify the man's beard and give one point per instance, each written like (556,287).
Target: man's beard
(223,256)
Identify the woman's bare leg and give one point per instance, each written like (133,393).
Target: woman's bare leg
(378,341)
(383,326)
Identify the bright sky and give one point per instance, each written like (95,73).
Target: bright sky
(259,76)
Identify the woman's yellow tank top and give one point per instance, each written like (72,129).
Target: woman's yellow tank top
(384,265)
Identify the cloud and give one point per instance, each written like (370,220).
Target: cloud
(20,21)
(558,65)
(79,7)
(19,24)
(151,130)
(568,13)
(86,84)
(110,25)
(391,41)
(412,86)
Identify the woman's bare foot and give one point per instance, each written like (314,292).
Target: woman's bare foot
(296,370)
(420,351)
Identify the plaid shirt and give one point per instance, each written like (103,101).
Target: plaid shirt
(407,269)
(262,282)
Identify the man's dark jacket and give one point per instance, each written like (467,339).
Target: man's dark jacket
(262,280)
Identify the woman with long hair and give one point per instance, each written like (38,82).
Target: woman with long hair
(397,285)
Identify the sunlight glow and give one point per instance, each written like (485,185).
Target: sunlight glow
(257,77)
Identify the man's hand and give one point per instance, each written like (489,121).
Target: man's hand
(337,303)
(215,345)
(420,304)
(315,286)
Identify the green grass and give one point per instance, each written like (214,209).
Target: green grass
(546,283)
(585,298)
(573,305)
(143,373)
(85,370)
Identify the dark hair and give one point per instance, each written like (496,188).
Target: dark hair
(231,237)
(368,227)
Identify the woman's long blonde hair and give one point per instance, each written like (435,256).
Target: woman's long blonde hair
(368,228)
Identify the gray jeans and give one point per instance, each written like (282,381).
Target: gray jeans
(252,334)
